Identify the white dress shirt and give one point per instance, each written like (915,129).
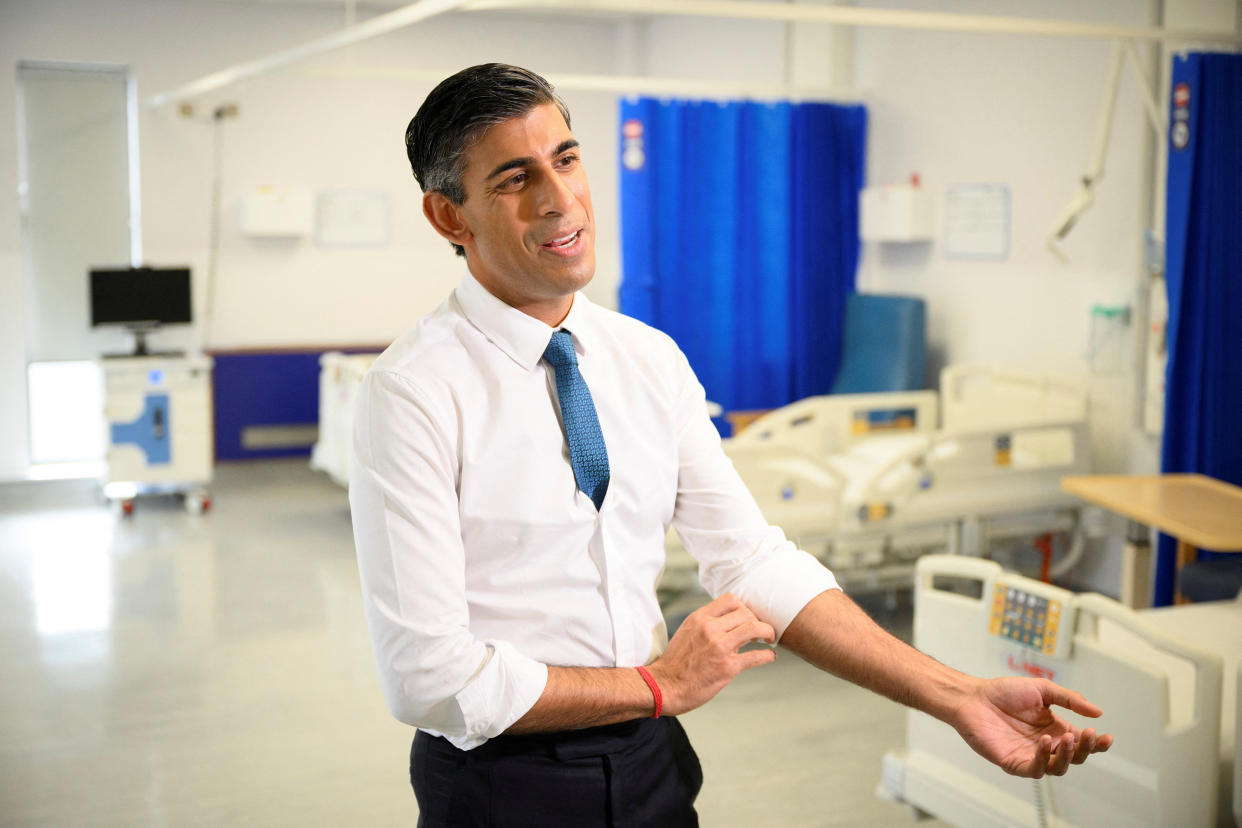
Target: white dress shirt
(481,562)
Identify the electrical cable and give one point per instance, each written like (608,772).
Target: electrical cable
(1078,543)
(1041,814)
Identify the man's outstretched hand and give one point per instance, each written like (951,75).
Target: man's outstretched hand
(1009,721)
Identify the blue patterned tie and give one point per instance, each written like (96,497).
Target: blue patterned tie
(587,452)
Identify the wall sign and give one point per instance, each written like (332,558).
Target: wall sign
(352,218)
(976,221)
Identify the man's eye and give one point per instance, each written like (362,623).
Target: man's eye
(513,182)
(568,160)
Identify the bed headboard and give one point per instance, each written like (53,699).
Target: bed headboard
(979,396)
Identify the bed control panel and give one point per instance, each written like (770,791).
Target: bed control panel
(1032,615)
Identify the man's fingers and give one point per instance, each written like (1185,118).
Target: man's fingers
(1043,752)
(1086,742)
(755,658)
(1086,745)
(734,618)
(1056,694)
(723,605)
(754,630)
(1067,750)
(741,625)
(1062,755)
(726,611)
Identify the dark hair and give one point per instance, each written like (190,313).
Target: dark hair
(459,111)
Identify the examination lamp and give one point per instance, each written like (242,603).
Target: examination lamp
(1085,196)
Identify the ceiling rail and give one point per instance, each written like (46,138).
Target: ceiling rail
(872,18)
(376,26)
(736,9)
(619,84)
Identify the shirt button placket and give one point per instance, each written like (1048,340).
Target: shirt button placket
(611,582)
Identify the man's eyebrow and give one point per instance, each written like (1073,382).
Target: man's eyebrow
(527,160)
(508,165)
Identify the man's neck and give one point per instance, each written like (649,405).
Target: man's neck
(551,312)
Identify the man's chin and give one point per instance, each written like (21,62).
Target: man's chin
(575,274)
(584,279)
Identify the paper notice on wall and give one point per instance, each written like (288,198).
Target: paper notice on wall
(976,221)
(352,218)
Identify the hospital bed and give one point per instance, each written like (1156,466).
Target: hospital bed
(340,375)
(1168,681)
(870,482)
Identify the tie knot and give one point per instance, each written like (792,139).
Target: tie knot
(560,351)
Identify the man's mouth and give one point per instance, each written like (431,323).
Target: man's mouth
(564,241)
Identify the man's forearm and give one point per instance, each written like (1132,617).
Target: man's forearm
(834,634)
(701,658)
(578,697)
(831,632)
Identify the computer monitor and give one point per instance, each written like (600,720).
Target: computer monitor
(140,299)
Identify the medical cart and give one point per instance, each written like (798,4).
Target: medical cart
(159,420)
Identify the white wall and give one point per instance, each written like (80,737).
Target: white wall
(1022,111)
(310,126)
(954,108)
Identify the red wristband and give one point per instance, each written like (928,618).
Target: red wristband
(655,690)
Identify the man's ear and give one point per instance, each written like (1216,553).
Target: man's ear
(445,217)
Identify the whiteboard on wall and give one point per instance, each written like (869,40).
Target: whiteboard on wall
(976,221)
(353,218)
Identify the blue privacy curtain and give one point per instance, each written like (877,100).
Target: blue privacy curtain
(740,238)
(1204,273)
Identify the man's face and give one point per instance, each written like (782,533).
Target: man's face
(530,228)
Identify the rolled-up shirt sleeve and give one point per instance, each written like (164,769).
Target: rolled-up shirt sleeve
(403,495)
(722,527)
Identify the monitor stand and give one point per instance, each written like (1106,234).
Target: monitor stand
(140,341)
(140,332)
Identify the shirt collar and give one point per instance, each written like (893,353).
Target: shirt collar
(521,337)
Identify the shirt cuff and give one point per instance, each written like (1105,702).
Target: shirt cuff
(507,686)
(777,590)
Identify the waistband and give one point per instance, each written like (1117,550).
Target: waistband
(566,744)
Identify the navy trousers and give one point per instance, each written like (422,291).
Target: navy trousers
(627,775)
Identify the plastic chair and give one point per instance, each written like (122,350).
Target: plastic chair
(1217,579)
(885,345)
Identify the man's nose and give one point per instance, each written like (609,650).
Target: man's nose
(555,195)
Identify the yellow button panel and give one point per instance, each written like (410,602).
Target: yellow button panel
(1025,618)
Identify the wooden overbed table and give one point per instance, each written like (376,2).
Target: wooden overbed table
(1198,511)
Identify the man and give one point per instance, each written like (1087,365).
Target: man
(519,456)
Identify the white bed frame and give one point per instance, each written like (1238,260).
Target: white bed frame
(982,395)
(868,482)
(340,375)
(1175,759)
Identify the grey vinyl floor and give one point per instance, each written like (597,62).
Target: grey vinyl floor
(172,669)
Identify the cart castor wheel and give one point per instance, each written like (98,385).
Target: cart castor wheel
(197,503)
